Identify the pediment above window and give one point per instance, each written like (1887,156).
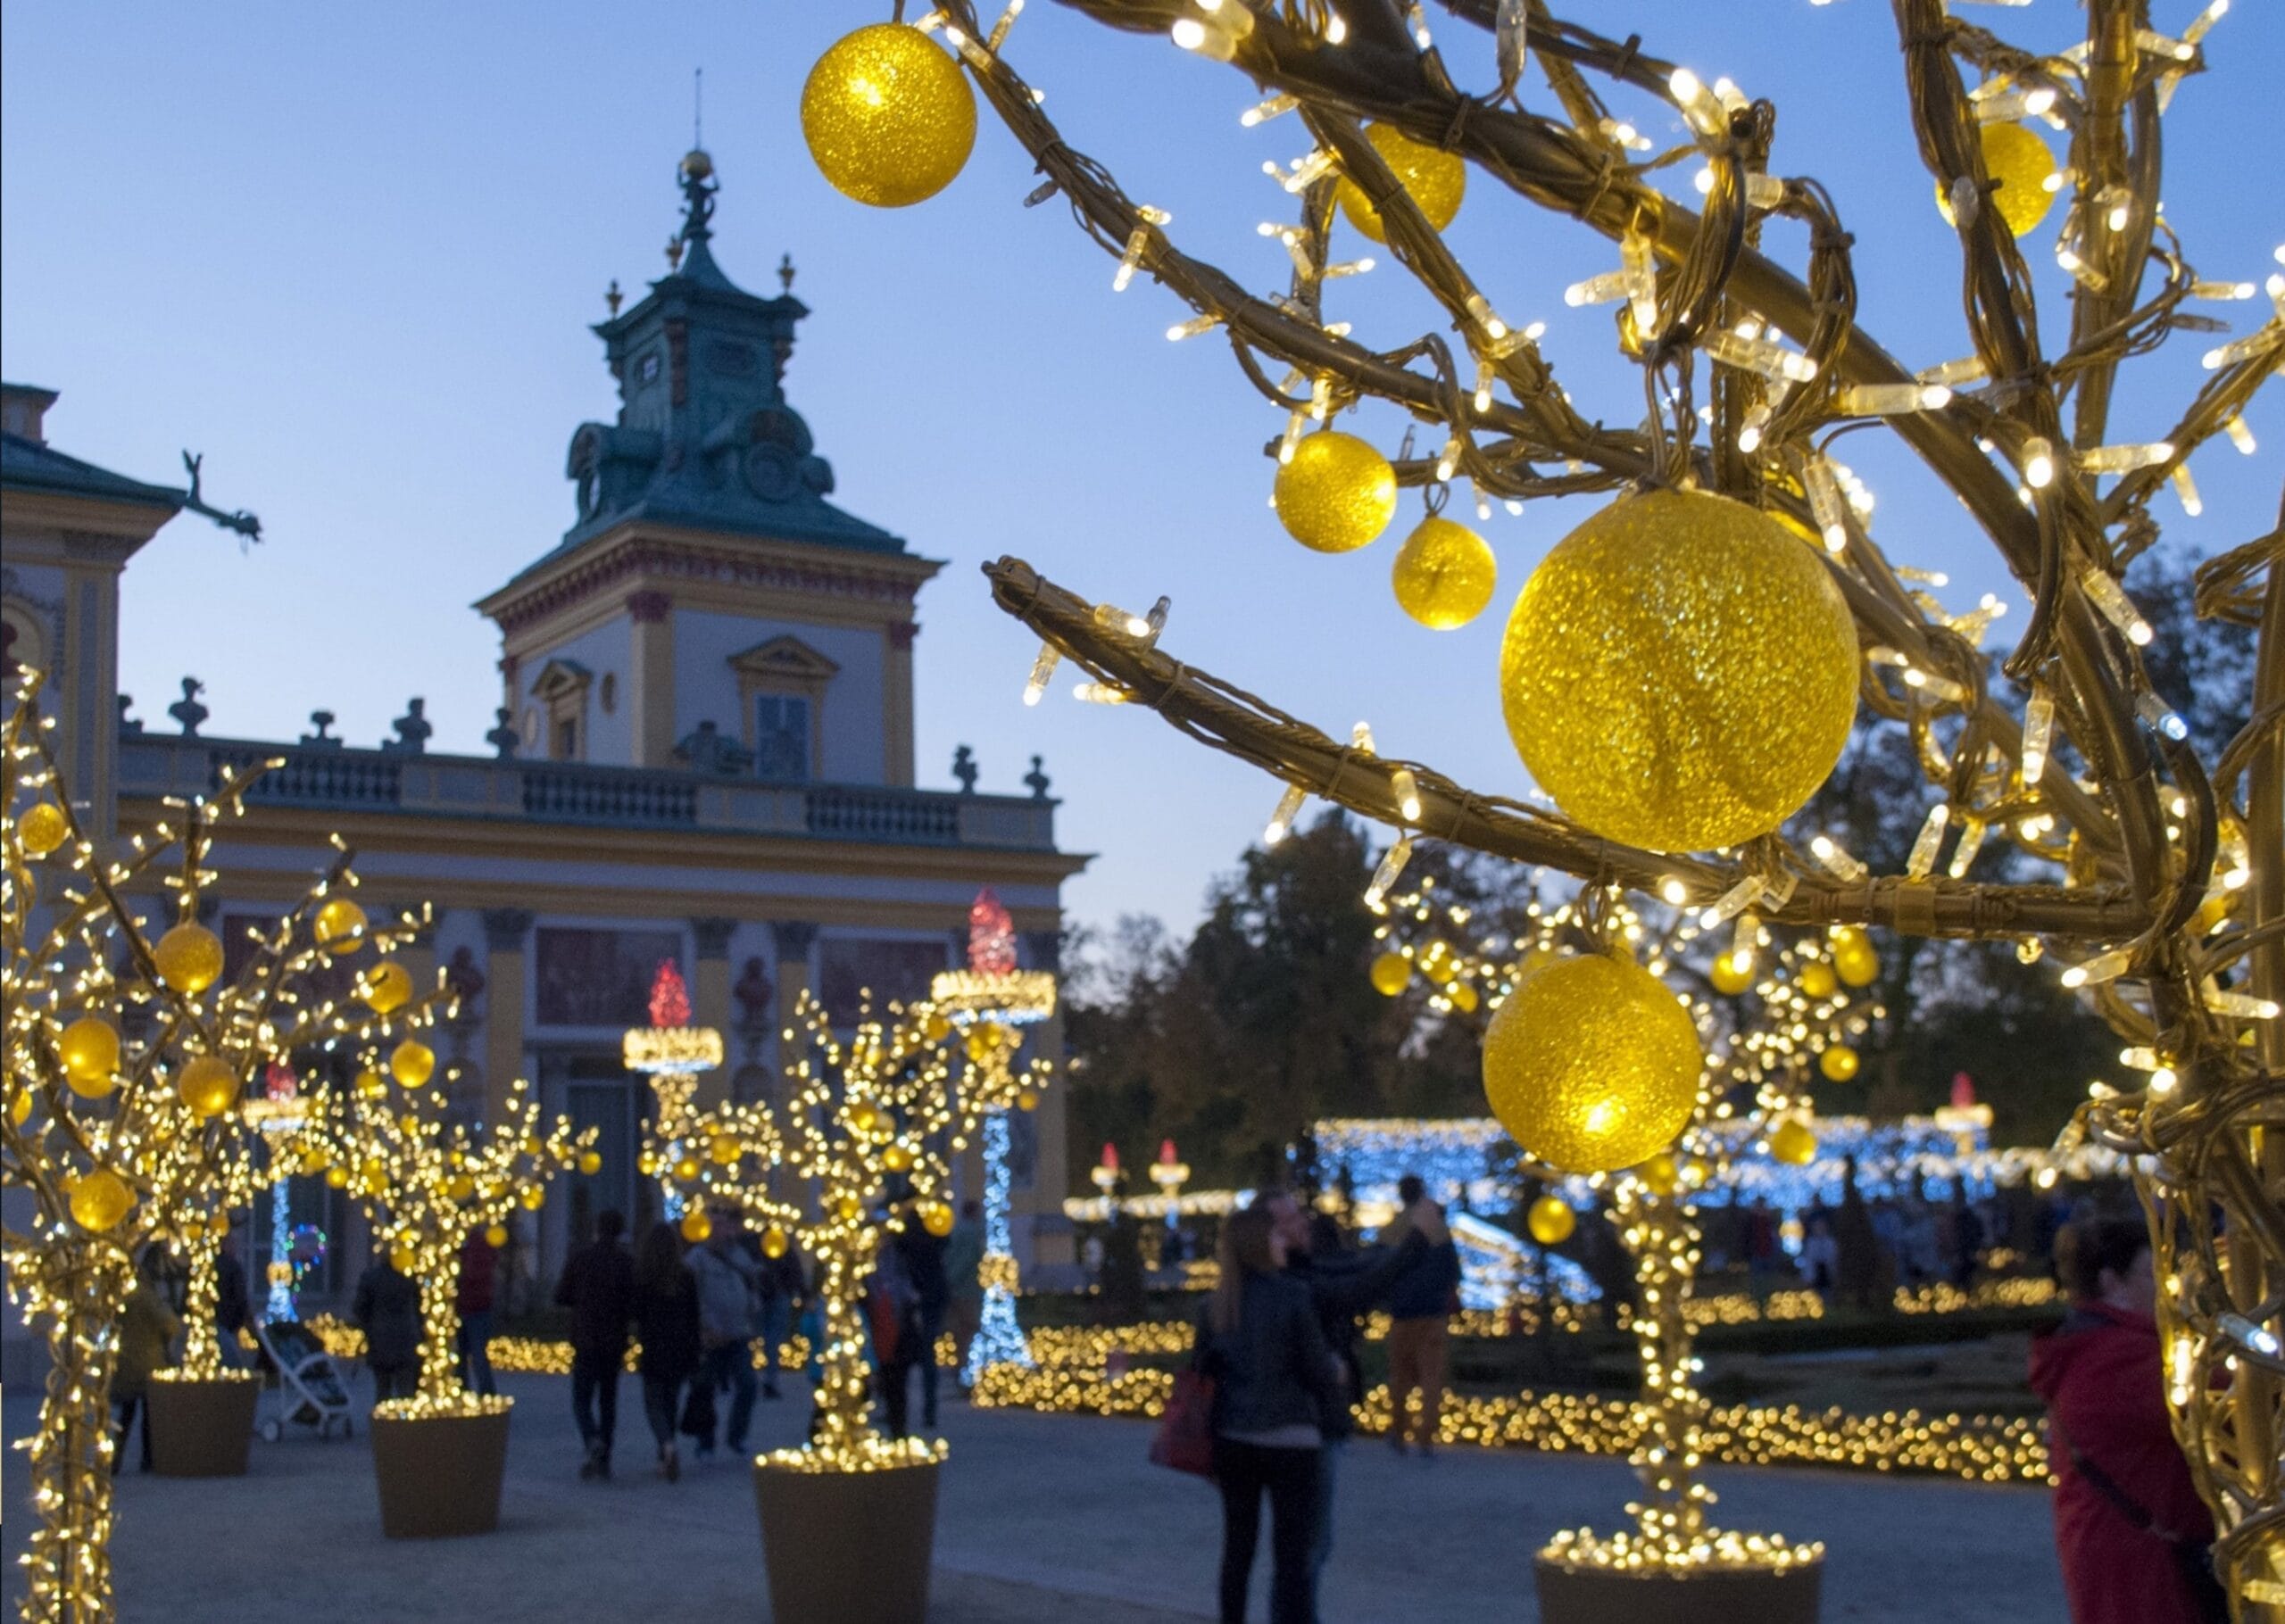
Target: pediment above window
(787,657)
(560,679)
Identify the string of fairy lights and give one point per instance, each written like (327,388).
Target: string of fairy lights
(1681,671)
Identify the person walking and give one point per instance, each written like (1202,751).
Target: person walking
(964,1304)
(666,1324)
(387,1310)
(782,1291)
(232,1312)
(2133,1534)
(479,1284)
(147,1329)
(893,1309)
(598,1286)
(1420,1307)
(1260,1342)
(923,1256)
(730,1290)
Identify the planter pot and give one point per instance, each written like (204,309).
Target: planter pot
(439,1475)
(850,1547)
(201,1428)
(1714,1596)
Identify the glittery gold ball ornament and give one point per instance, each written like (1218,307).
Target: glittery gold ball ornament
(773,1242)
(386,987)
(338,1176)
(533,1198)
(1464,997)
(1839,1064)
(1391,973)
(100,1200)
(2022,164)
(339,921)
(495,1236)
(1592,1065)
(1855,958)
(936,1218)
(403,1260)
(724,1147)
(189,958)
(1445,574)
(888,115)
(591,1163)
(1336,495)
(687,1169)
(89,1049)
(43,828)
(209,1085)
(696,1226)
(1679,673)
(1659,1175)
(1730,977)
(1436,180)
(896,1158)
(1792,1143)
(1818,980)
(20,1108)
(412,1064)
(1026,1099)
(1551,1221)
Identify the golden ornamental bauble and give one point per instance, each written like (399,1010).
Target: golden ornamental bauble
(1436,963)
(1026,1099)
(1839,1064)
(412,1064)
(888,115)
(1436,180)
(1336,495)
(460,1187)
(387,986)
(1464,997)
(1680,673)
(2022,164)
(1854,957)
(1818,980)
(100,1200)
(1445,574)
(936,1218)
(686,1168)
(1792,1143)
(864,1116)
(1391,973)
(89,1049)
(1730,977)
(591,1163)
(495,1236)
(724,1147)
(405,1260)
(1659,1175)
(1592,1065)
(696,1226)
(340,921)
(208,1086)
(534,1197)
(936,1028)
(189,958)
(773,1242)
(896,1158)
(337,1177)
(1551,1221)
(847,1207)
(20,1108)
(43,828)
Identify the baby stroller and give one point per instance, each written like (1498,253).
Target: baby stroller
(310,1392)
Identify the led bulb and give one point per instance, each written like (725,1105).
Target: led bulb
(1042,668)
(2039,728)
(1281,821)
(1406,789)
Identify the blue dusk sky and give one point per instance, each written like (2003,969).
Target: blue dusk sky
(351,254)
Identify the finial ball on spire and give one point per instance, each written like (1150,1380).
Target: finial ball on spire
(697,164)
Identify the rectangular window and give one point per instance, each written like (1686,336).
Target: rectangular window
(781,737)
(566,738)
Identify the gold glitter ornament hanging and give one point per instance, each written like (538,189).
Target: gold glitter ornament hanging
(189,958)
(889,116)
(1445,574)
(1818,980)
(1592,1065)
(1730,977)
(412,1064)
(1854,957)
(1436,179)
(339,921)
(100,1200)
(1551,1221)
(2022,164)
(1793,1144)
(43,828)
(1680,673)
(387,986)
(208,1086)
(1336,495)
(1839,1064)
(1391,973)
(696,1226)
(89,1050)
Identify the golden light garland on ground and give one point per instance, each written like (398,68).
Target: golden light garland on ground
(126,1057)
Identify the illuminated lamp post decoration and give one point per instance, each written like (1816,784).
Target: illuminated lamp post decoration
(279,1115)
(1105,1172)
(721,1155)
(987,1001)
(119,1130)
(1169,1172)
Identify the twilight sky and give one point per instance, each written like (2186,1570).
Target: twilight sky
(350,255)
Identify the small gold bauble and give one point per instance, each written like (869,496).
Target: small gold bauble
(591,1163)
(1591,1066)
(1336,495)
(696,1226)
(387,986)
(896,1158)
(339,921)
(1818,980)
(1391,973)
(1464,998)
(1792,1143)
(1730,977)
(847,1208)
(209,1085)
(1659,1175)
(686,1168)
(533,1196)
(412,1064)
(889,117)
(460,1187)
(89,1050)
(1026,1099)
(936,1218)
(43,828)
(189,958)
(1854,957)
(1436,180)
(2022,164)
(20,1108)
(1680,673)
(936,1028)
(495,1236)
(1839,1064)
(403,1259)
(1445,574)
(338,1176)
(864,1116)
(1551,1221)
(100,1200)
(773,1242)
(1436,963)
(724,1147)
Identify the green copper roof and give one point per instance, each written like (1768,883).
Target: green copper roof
(27,465)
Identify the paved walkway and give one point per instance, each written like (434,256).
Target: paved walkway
(1046,1519)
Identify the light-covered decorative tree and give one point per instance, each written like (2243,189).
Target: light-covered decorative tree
(1680,672)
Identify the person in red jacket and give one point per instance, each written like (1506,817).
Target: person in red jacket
(2129,1526)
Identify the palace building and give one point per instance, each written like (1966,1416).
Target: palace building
(704,752)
